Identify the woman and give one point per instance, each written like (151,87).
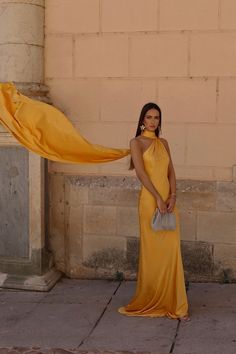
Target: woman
(160,287)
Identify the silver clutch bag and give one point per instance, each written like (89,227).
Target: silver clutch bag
(165,221)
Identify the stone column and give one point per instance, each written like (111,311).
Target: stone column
(25,262)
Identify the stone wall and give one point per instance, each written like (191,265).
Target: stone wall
(25,262)
(105,58)
(94,230)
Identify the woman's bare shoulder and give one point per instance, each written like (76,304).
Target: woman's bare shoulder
(163,140)
(136,143)
(136,140)
(165,143)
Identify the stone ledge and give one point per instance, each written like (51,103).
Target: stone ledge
(34,90)
(104,181)
(130,182)
(40,3)
(196,186)
(39,283)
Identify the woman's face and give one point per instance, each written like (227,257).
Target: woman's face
(151,119)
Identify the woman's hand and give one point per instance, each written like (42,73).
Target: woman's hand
(162,206)
(170,203)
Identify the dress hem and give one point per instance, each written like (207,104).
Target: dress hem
(173,317)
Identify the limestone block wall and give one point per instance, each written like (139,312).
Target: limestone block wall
(94,229)
(105,58)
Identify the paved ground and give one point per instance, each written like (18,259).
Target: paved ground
(80,316)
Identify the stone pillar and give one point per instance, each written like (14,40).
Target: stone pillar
(25,262)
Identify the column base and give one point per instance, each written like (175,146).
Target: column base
(32,282)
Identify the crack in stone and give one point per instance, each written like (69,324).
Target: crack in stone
(100,317)
(175,337)
(178,326)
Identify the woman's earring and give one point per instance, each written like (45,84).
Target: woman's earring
(142,127)
(159,130)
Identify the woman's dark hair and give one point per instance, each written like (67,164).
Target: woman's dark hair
(144,110)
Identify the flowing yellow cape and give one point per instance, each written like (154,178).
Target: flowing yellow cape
(46,131)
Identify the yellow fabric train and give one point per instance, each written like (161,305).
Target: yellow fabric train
(46,131)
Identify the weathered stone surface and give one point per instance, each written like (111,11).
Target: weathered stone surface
(234,173)
(127,221)
(21,62)
(225,261)
(35,91)
(62,319)
(57,234)
(104,252)
(111,196)
(128,335)
(197,259)
(132,254)
(201,342)
(14,208)
(216,226)
(75,196)
(73,235)
(226,196)
(31,2)
(56,188)
(57,220)
(125,182)
(74,221)
(193,200)
(22,23)
(188,225)
(75,306)
(100,220)
(184,186)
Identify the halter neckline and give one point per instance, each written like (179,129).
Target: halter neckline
(149,134)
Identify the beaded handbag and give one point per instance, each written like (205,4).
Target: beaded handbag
(166,221)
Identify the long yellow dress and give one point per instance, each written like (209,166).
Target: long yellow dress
(160,289)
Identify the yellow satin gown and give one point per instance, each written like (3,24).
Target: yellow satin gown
(160,289)
(46,131)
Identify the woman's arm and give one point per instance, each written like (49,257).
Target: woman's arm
(137,157)
(172,179)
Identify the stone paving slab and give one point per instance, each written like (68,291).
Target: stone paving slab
(212,295)
(61,318)
(213,321)
(211,332)
(212,329)
(80,317)
(8,296)
(74,291)
(122,333)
